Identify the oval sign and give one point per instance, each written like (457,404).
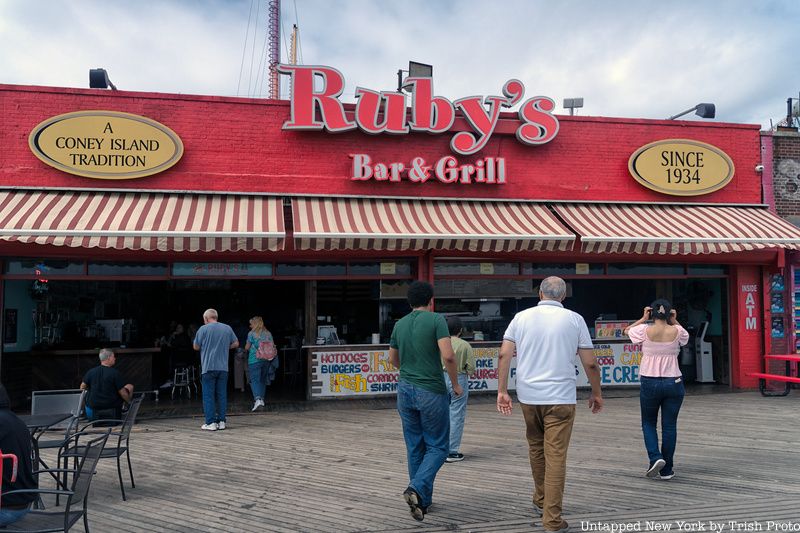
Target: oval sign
(681,167)
(105,145)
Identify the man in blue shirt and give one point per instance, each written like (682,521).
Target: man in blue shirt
(214,340)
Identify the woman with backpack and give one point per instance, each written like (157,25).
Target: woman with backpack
(262,359)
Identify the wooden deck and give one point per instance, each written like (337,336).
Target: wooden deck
(339,468)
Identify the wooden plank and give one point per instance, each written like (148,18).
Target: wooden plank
(340,467)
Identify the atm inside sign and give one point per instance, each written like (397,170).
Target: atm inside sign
(681,167)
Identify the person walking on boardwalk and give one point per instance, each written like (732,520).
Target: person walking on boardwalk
(420,342)
(214,340)
(661,383)
(465,365)
(546,338)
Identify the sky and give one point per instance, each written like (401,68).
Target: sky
(635,58)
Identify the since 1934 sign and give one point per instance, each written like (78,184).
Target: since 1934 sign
(105,144)
(681,167)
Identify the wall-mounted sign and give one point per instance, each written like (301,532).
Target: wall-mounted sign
(105,145)
(489,170)
(368,372)
(221,270)
(386,111)
(681,167)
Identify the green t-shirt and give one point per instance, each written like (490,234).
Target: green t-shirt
(465,356)
(416,337)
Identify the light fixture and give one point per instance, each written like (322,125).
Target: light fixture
(701,110)
(98,79)
(415,70)
(572,104)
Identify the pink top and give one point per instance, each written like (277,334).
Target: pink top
(659,359)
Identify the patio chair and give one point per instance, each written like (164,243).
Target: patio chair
(42,521)
(46,402)
(117,448)
(55,402)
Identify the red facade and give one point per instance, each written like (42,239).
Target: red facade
(238,145)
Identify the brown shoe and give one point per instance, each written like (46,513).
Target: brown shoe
(412,499)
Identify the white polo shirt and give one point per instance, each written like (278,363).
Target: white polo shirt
(547,339)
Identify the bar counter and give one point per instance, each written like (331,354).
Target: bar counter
(64,369)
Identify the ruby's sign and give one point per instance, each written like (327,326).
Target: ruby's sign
(385,111)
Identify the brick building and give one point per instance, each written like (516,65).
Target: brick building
(258,207)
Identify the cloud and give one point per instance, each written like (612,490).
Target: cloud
(646,59)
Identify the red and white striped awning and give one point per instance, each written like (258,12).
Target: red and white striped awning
(393,224)
(143,221)
(670,230)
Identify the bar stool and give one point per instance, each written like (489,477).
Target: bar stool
(181,382)
(193,378)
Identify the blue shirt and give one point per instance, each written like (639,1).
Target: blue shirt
(214,340)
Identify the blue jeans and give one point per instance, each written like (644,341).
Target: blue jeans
(666,395)
(215,395)
(258,379)
(426,430)
(458,410)
(9,516)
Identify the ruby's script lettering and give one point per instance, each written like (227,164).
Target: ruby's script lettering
(385,111)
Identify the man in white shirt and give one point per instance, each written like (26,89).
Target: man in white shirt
(546,338)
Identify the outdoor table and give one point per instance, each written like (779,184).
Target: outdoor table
(38,424)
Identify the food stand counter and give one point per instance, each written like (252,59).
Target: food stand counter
(64,369)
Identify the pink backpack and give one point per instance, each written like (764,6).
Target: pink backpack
(266,350)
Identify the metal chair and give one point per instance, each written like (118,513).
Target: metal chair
(117,450)
(56,402)
(181,382)
(76,508)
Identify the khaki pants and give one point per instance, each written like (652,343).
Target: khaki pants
(549,428)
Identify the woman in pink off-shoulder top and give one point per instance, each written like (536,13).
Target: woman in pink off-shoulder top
(661,384)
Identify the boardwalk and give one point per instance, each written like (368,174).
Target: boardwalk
(342,469)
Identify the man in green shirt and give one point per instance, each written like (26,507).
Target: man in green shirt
(420,341)
(465,365)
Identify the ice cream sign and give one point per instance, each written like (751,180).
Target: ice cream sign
(385,112)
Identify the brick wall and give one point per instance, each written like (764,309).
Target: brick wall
(786,174)
(237,144)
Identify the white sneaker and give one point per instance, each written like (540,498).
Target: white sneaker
(221,425)
(210,427)
(259,403)
(655,468)
(255,406)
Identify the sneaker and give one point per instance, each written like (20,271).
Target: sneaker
(221,425)
(256,405)
(454,458)
(260,402)
(537,510)
(412,499)
(666,477)
(655,468)
(210,427)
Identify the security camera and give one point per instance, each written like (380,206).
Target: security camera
(759,168)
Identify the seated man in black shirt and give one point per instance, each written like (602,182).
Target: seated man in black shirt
(106,391)
(16,439)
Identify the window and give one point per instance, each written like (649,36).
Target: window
(451,268)
(311,269)
(127,269)
(622,269)
(44,268)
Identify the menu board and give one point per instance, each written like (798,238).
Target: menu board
(610,329)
